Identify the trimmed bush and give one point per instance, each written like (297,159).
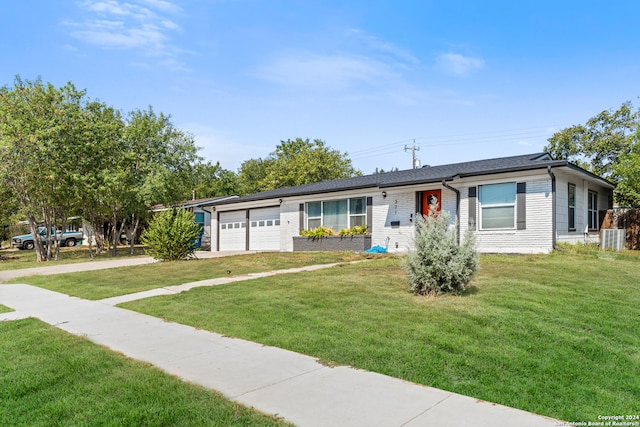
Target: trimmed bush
(354,231)
(318,233)
(171,235)
(438,264)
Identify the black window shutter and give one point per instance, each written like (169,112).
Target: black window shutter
(472,208)
(521,205)
(301,216)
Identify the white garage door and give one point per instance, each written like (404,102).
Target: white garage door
(233,231)
(264,229)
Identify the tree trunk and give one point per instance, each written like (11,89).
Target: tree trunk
(37,242)
(132,236)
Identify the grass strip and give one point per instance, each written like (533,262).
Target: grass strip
(556,335)
(108,283)
(20,259)
(53,378)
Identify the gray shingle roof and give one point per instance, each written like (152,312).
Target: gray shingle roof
(427,174)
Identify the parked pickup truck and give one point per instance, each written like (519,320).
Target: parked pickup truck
(68,238)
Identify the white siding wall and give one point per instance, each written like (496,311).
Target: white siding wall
(536,238)
(581,216)
(400,205)
(397,206)
(289,224)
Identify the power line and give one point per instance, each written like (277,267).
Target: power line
(460,139)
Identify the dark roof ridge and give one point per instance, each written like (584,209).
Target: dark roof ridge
(422,175)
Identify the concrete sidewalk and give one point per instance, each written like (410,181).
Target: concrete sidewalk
(296,387)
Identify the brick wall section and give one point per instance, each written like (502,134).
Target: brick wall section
(333,243)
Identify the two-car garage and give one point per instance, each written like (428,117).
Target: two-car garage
(253,229)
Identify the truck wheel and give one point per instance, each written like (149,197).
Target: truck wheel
(28,245)
(70,242)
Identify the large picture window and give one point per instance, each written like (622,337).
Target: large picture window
(572,207)
(337,214)
(497,205)
(592,210)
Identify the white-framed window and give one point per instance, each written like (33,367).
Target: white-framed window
(337,214)
(357,211)
(592,210)
(572,206)
(314,215)
(498,206)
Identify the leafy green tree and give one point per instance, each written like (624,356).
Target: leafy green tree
(156,161)
(171,235)
(438,264)
(211,180)
(598,144)
(295,162)
(99,158)
(38,132)
(251,176)
(298,162)
(628,171)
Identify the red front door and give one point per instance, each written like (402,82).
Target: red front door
(431,198)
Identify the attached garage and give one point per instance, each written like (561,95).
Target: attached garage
(233,231)
(264,229)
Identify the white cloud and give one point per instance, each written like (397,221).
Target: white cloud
(135,24)
(458,64)
(522,143)
(324,71)
(117,34)
(383,47)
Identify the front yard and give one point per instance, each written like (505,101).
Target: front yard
(557,335)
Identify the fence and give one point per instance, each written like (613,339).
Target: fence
(629,219)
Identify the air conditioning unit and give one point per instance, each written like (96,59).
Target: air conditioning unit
(612,239)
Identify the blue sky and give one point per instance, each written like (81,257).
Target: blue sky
(465,79)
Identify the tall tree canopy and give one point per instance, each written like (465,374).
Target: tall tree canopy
(605,145)
(62,154)
(296,162)
(628,169)
(598,143)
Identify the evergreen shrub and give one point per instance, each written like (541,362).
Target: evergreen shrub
(171,235)
(438,264)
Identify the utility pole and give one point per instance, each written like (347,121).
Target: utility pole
(413,153)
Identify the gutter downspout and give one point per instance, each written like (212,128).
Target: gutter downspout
(553,207)
(455,190)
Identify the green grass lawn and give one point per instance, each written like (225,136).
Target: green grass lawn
(101,284)
(5,309)
(27,259)
(52,378)
(557,335)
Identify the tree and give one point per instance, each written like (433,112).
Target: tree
(598,144)
(251,176)
(38,132)
(438,264)
(156,162)
(211,180)
(296,162)
(628,171)
(62,154)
